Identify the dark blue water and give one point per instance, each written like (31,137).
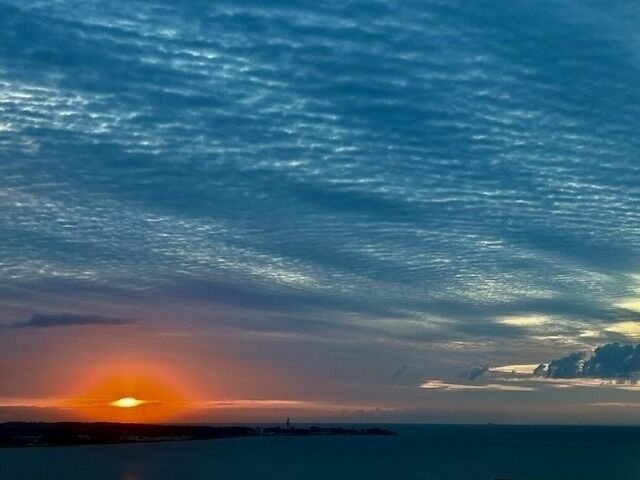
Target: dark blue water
(418,452)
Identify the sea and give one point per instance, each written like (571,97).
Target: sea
(435,452)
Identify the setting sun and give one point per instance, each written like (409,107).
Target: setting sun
(128,402)
(135,390)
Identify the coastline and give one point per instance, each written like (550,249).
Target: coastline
(45,434)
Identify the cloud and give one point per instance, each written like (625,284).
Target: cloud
(615,404)
(571,366)
(563,383)
(628,329)
(612,360)
(146,216)
(631,304)
(476,372)
(514,369)
(50,320)
(455,387)
(285,404)
(525,320)
(15,402)
(399,372)
(612,366)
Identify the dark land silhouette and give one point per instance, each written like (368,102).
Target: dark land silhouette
(40,434)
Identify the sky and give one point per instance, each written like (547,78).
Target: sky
(342,211)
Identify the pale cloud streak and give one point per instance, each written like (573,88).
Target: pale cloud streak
(526,369)
(629,329)
(439,385)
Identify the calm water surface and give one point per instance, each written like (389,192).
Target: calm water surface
(418,452)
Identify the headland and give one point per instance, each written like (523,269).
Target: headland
(40,434)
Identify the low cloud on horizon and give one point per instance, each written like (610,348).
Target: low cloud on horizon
(66,319)
(612,360)
(612,365)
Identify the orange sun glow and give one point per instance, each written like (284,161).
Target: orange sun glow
(132,393)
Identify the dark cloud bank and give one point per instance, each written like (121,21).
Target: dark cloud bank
(48,320)
(611,360)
